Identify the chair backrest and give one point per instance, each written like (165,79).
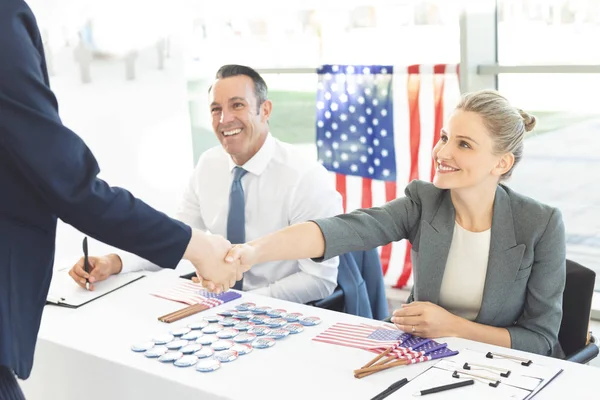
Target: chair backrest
(577,304)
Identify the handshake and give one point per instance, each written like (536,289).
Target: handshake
(218,264)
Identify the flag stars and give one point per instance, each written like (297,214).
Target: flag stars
(361,100)
(334,87)
(335,145)
(327,114)
(375,102)
(383,133)
(343,117)
(366,71)
(344,137)
(336,164)
(361,119)
(328,153)
(363,139)
(349,69)
(320,124)
(370,150)
(353,168)
(351,109)
(344,157)
(343,97)
(320,104)
(368,111)
(334,107)
(386,172)
(328,134)
(375,121)
(319,143)
(363,159)
(383,112)
(376,162)
(334,126)
(384,153)
(352,128)
(353,148)
(371,170)
(376,142)
(327,95)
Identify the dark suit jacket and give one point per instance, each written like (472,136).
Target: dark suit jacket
(46,171)
(526,267)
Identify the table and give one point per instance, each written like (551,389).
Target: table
(85,354)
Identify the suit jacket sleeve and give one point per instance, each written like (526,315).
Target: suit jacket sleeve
(537,329)
(57,164)
(367,228)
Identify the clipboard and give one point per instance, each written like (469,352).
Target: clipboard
(64,292)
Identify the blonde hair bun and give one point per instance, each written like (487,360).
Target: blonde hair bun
(528,120)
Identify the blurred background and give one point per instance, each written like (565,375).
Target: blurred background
(131,78)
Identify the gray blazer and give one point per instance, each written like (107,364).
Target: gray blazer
(526,268)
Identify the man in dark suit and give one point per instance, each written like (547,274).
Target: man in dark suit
(47,172)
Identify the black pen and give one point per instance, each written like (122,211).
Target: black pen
(391,389)
(445,387)
(86,262)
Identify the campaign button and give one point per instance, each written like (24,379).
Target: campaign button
(276,313)
(186,361)
(226,313)
(156,351)
(198,324)
(275,322)
(193,335)
(212,328)
(260,330)
(243,315)
(242,348)
(279,333)
(208,365)
(310,321)
(226,356)
(245,306)
(205,352)
(180,331)
(227,322)
(207,339)
(191,348)
(292,317)
(164,338)
(213,318)
(227,333)
(143,346)
(263,343)
(244,337)
(293,328)
(261,310)
(170,356)
(177,344)
(221,345)
(244,326)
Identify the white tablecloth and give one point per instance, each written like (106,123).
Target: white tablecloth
(85,354)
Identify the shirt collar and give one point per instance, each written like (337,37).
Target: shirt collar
(258,163)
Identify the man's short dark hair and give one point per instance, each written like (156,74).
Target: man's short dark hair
(260,87)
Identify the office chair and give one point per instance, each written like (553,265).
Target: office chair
(577,304)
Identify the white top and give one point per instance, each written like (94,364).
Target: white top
(281,188)
(464,277)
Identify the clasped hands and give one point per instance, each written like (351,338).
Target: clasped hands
(218,264)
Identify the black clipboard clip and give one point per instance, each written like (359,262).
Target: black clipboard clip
(524,362)
(505,373)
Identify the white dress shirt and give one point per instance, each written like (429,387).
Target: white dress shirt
(462,287)
(281,188)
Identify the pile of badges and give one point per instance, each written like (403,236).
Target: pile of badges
(213,340)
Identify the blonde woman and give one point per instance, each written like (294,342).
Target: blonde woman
(489,263)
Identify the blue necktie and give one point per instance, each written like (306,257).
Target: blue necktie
(236,219)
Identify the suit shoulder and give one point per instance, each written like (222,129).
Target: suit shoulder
(526,206)
(423,192)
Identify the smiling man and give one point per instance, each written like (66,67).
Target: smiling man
(251,185)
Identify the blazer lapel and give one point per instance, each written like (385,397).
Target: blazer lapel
(434,245)
(504,259)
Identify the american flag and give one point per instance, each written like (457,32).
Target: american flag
(362,336)
(188,292)
(375,133)
(378,339)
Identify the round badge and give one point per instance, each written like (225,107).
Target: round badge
(191,348)
(242,315)
(227,333)
(164,338)
(186,361)
(243,326)
(245,306)
(260,330)
(244,337)
(170,356)
(226,313)
(198,324)
(227,322)
(276,313)
(180,331)
(205,352)
(207,339)
(242,349)
(259,319)
(212,328)
(213,318)
(176,344)
(156,351)
(279,333)
(292,317)
(263,343)
(208,365)
(275,322)
(139,347)
(310,321)
(226,356)
(221,345)
(293,328)
(193,335)
(260,310)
